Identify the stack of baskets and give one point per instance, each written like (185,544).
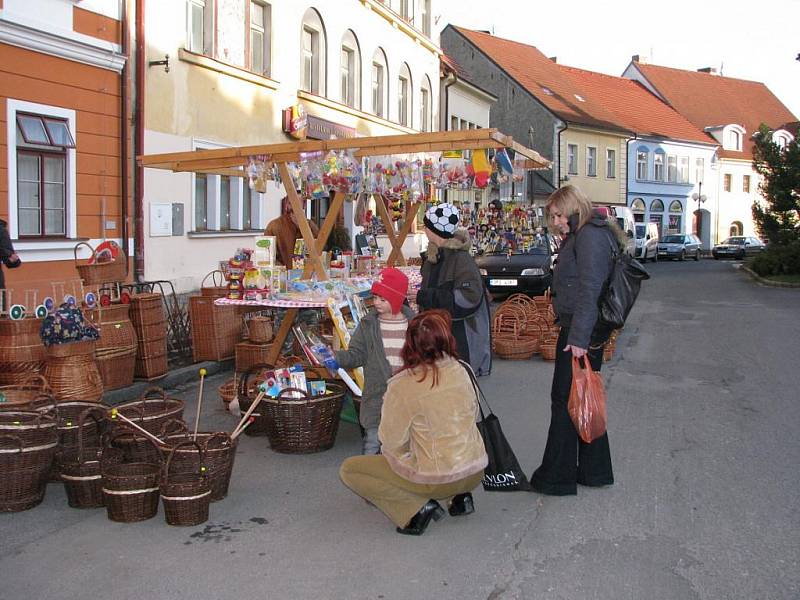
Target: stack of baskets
(116,348)
(79,465)
(150,322)
(256,350)
(28,443)
(215,329)
(21,350)
(71,371)
(516,329)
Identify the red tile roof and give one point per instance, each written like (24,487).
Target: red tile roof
(635,107)
(712,100)
(543,79)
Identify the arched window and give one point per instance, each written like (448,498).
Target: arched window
(736,228)
(658,165)
(313,58)
(732,137)
(350,71)
(379,74)
(656,206)
(425,99)
(657,213)
(642,154)
(637,205)
(782,138)
(404,103)
(675,217)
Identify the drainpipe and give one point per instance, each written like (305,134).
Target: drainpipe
(561,129)
(138,146)
(627,155)
(123,137)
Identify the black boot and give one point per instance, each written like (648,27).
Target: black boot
(461,504)
(419,522)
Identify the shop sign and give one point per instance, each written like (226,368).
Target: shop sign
(295,121)
(322,129)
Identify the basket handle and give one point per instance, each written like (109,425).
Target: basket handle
(213,274)
(78,245)
(225,436)
(153,390)
(179,424)
(93,412)
(305,397)
(201,454)
(252,371)
(35,382)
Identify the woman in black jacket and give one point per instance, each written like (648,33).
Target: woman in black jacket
(584,264)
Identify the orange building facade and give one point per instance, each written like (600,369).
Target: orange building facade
(63,139)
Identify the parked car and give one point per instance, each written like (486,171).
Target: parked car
(738,246)
(680,246)
(647,241)
(529,272)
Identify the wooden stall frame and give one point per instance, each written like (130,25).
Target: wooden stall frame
(232,162)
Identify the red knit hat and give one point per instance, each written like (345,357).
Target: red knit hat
(392,286)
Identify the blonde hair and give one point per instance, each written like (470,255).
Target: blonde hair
(568,200)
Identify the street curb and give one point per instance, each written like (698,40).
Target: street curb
(769,282)
(172,379)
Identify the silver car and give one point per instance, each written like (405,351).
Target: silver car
(680,246)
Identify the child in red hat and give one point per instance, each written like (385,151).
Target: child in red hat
(376,345)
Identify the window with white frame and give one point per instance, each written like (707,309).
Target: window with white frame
(313,53)
(572,159)
(611,163)
(672,168)
(699,169)
(425,105)
(781,138)
(404,102)
(642,155)
(735,139)
(379,72)
(454,123)
(683,170)
(425,16)
(746,184)
(260,37)
(41,171)
(727,181)
(658,165)
(406,9)
(200,26)
(350,71)
(591,161)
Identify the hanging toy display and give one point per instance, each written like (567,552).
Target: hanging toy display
(257,172)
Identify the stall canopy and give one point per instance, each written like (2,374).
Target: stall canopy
(232,162)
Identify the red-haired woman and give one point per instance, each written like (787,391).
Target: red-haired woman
(431,448)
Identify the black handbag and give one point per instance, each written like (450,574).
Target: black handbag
(503,473)
(620,290)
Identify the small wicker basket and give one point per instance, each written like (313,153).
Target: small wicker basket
(97,272)
(186,495)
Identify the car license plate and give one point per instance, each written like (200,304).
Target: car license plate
(503,282)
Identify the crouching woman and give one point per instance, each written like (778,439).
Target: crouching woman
(431,447)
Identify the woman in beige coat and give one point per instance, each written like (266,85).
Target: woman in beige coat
(431,447)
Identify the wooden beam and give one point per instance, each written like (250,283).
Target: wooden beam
(302,223)
(411,214)
(330,220)
(380,204)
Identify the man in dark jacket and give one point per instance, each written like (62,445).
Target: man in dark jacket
(8,257)
(452,281)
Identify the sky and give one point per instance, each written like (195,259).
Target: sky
(759,41)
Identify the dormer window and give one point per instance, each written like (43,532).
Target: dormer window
(733,137)
(782,138)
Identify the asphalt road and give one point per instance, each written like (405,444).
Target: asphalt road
(703,421)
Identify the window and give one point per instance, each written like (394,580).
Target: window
(591,161)
(425,9)
(656,206)
(572,159)
(346,76)
(658,165)
(379,83)
(683,172)
(313,53)
(611,163)
(223,203)
(44,131)
(404,96)
(453,123)
(641,164)
(260,31)
(405,9)
(726,182)
(200,26)
(200,202)
(736,228)
(675,217)
(247,206)
(746,184)
(637,206)
(425,106)
(699,170)
(350,71)
(735,140)
(781,138)
(672,169)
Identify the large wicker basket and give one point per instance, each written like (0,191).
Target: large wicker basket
(97,272)
(130,490)
(71,371)
(303,425)
(21,350)
(116,348)
(249,355)
(153,410)
(217,289)
(186,494)
(32,393)
(219,451)
(28,442)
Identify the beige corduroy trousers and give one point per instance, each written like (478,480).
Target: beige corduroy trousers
(400,499)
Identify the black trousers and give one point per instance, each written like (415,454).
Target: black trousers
(568,460)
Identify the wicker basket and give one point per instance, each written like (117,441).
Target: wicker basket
(187,494)
(303,425)
(220,453)
(96,273)
(217,289)
(28,444)
(130,491)
(116,348)
(515,348)
(80,468)
(153,410)
(21,350)
(259,329)
(247,393)
(227,391)
(249,355)
(31,393)
(215,329)
(147,309)
(72,372)
(548,350)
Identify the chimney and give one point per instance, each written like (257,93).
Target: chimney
(637,58)
(554,59)
(709,70)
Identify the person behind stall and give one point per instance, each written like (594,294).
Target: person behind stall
(584,263)
(432,449)
(286,232)
(376,345)
(8,256)
(452,281)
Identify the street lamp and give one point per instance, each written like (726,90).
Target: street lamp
(698,197)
